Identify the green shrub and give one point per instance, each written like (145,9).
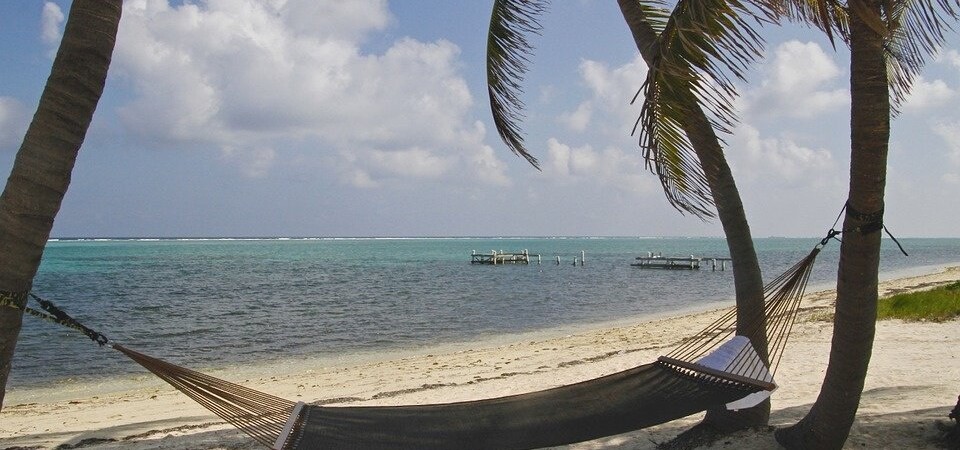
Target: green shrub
(935,305)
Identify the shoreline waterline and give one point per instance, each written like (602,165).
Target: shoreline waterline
(911,370)
(215,303)
(280,366)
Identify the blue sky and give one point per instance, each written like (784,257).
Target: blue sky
(370,118)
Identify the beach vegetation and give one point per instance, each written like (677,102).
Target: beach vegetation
(935,305)
(44,163)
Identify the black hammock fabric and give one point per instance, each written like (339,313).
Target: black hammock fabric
(625,401)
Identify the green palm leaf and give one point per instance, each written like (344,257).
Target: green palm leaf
(917,30)
(827,15)
(508,52)
(705,46)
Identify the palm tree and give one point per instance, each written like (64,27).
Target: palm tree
(692,168)
(828,422)
(888,41)
(42,169)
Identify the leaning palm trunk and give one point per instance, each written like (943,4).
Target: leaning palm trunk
(41,172)
(828,423)
(748,281)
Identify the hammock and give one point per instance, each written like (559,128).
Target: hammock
(625,401)
(707,371)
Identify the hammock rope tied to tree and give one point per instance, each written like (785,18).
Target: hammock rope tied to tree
(709,370)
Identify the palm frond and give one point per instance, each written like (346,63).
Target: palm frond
(508,52)
(705,46)
(917,29)
(656,13)
(827,15)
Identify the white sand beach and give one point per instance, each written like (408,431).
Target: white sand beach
(913,382)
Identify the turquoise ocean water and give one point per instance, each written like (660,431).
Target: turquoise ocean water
(216,302)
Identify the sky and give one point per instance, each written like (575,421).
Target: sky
(370,118)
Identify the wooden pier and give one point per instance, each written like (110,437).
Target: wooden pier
(658,261)
(501,257)
(525,257)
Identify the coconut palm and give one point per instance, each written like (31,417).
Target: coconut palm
(695,62)
(693,170)
(889,41)
(42,169)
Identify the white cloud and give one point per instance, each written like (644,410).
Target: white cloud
(13,123)
(610,93)
(580,118)
(413,162)
(926,94)
(604,115)
(951,56)
(798,82)
(469,160)
(487,167)
(327,20)
(51,20)
(951,134)
(611,167)
(239,73)
(780,161)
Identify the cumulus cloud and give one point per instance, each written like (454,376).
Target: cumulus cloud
(610,166)
(13,123)
(578,119)
(927,94)
(799,81)
(51,21)
(605,115)
(610,92)
(372,167)
(240,74)
(951,134)
(780,160)
(487,167)
(951,57)
(327,20)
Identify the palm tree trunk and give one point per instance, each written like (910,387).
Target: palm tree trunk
(828,423)
(42,169)
(748,281)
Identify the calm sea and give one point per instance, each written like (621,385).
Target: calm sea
(216,302)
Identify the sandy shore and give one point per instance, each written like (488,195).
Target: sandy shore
(911,386)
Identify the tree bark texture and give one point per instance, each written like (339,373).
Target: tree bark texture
(43,166)
(828,423)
